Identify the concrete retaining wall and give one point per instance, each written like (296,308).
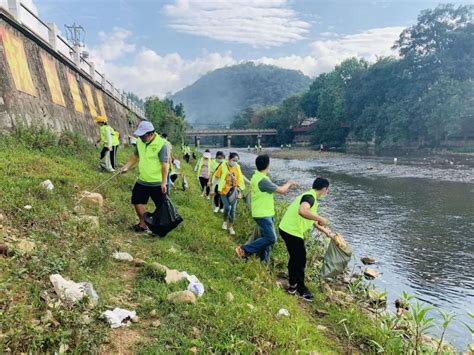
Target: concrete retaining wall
(19,107)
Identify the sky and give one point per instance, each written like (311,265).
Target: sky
(157,47)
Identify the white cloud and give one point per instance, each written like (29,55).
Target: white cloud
(263,23)
(326,53)
(151,73)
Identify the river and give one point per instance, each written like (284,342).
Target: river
(415,217)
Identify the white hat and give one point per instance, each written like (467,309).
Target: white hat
(143,128)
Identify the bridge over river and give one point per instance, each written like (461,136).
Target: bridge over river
(229,133)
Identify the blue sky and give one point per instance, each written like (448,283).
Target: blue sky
(157,47)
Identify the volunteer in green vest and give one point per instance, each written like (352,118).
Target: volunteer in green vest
(115,145)
(205,168)
(106,140)
(263,210)
(300,217)
(151,152)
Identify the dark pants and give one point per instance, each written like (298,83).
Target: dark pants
(102,152)
(113,156)
(204,182)
(141,194)
(186,157)
(297,261)
(217,199)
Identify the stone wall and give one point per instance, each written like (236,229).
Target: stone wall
(19,107)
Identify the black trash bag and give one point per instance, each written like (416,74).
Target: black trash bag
(164,219)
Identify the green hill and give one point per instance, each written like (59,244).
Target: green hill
(219,95)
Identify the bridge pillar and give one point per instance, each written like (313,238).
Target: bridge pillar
(259,141)
(229,141)
(197,141)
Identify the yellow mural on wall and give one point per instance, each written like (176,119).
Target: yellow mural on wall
(100,102)
(16,58)
(76,96)
(53,79)
(90,100)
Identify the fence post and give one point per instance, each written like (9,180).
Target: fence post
(92,70)
(14,9)
(76,55)
(53,35)
(104,82)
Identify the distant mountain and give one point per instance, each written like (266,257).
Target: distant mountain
(218,96)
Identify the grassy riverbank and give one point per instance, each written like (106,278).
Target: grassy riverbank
(63,243)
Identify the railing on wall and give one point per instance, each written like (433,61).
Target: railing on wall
(48,33)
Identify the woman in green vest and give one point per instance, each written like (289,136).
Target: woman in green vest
(106,140)
(263,210)
(300,217)
(205,169)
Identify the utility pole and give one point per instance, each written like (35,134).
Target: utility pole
(75,34)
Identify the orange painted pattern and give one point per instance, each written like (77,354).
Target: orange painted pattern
(76,96)
(100,102)
(53,79)
(90,100)
(16,58)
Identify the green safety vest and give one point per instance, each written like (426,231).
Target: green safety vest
(103,134)
(115,137)
(221,184)
(294,224)
(211,167)
(262,203)
(149,164)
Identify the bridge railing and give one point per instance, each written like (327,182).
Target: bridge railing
(49,34)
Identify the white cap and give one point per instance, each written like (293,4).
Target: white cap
(143,128)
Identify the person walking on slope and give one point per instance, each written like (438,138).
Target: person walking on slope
(214,182)
(263,210)
(151,152)
(205,169)
(299,218)
(231,183)
(115,145)
(106,140)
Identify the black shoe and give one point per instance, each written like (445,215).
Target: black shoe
(306,295)
(291,289)
(139,229)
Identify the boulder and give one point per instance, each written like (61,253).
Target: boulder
(92,198)
(138,262)
(173,276)
(321,328)
(182,297)
(367,260)
(135,319)
(153,313)
(371,273)
(156,323)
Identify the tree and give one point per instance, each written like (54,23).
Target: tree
(163,115)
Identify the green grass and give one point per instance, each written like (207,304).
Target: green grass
(66,246)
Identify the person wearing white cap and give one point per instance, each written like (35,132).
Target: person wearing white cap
(151,152)
(205,169)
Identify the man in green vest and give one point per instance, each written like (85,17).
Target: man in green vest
(106,140)
(300,217)
(263,210)
(151,152)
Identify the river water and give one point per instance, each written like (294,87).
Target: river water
(416,218)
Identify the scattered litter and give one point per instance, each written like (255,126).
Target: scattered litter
(229,296)
(71,291)
(321,328)
(118,316)
(197,288)
(47,184)
(27,207)
(122,256)
(283,312)
(182,297)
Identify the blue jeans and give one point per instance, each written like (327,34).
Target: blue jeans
(263,245)
(229,209)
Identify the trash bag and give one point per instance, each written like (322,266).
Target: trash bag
(164,219)
(336,259)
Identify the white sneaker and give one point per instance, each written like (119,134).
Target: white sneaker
(231,231)
(216,210)
(224,226)
(221,210)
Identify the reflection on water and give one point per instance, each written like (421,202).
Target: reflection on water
(419,228)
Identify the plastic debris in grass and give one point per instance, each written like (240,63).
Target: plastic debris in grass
(72,292)
(47,184)
(122,256)
(119,317)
